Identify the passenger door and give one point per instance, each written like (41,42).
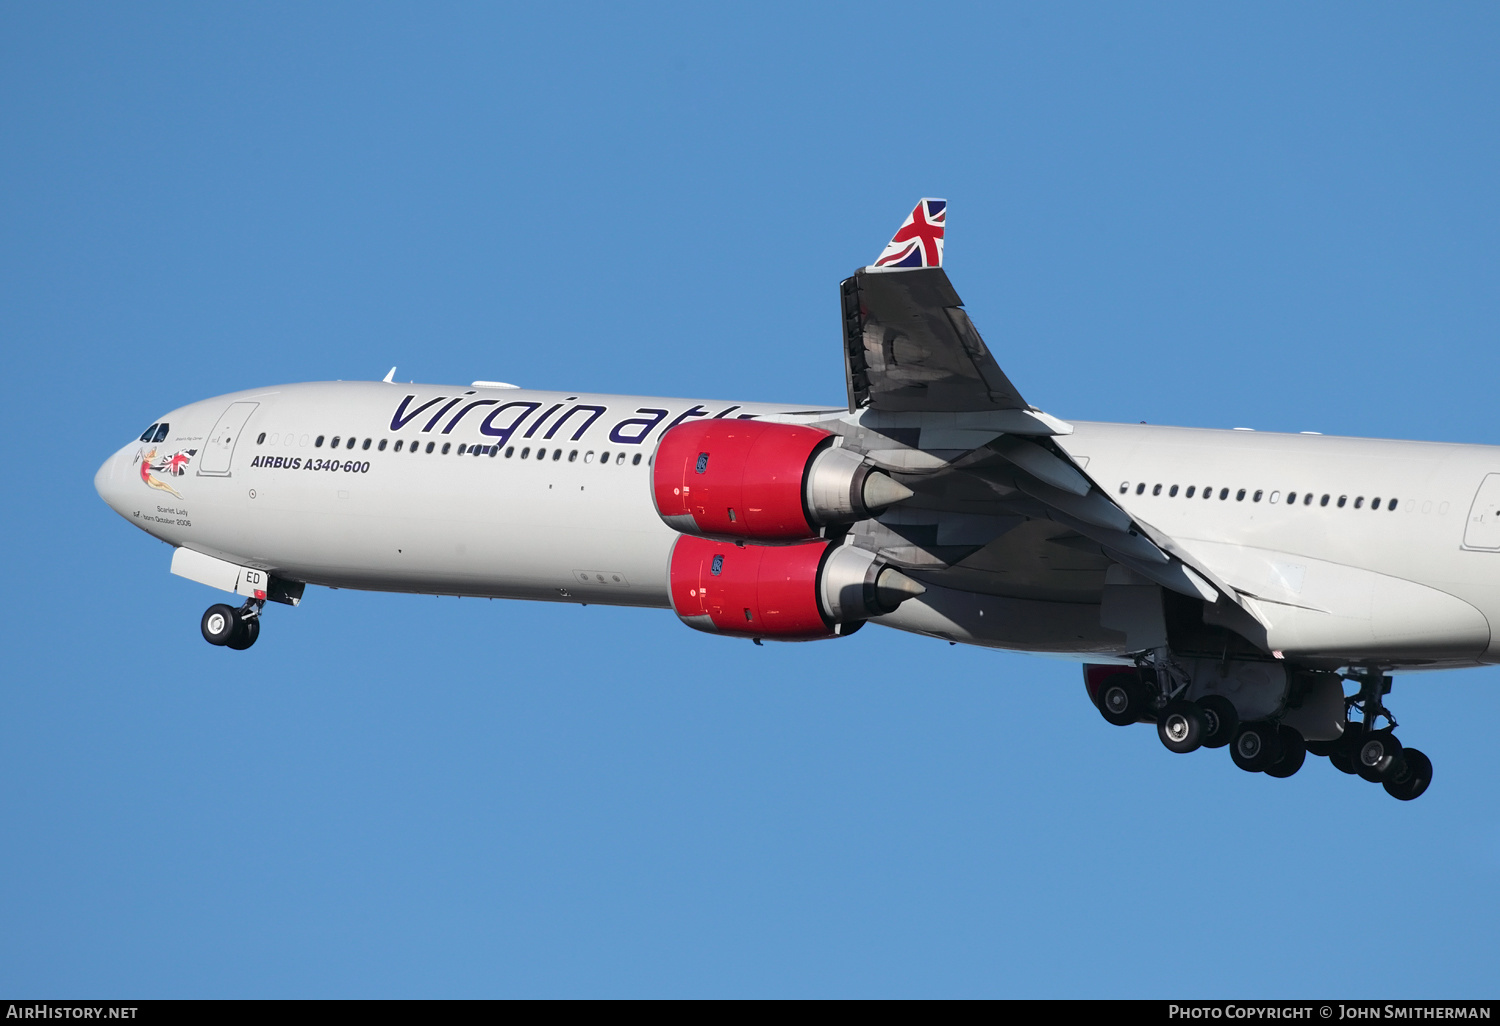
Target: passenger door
(214,462)
(1483,529)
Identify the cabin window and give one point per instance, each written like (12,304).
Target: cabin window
(1375,503)
(1172,492)
(541,454)
(526,452)
(1190,491)
(572,456)
(431,446)
(146,434)
(604,458)
(493,450)
(335,443)
(1391,505)
(1140,489)
(398,445)
(461,448)
(1258,494)
(319,443)
(510,451)
(1343,499)
(261,439)
(1291,498)
(1323,501)
(446,447)
(1124,487)
(1307,499)
(635,460)
(1239,496)
(1156,490)
(381,446)
(556,455)
(1359,503)
(1223,494)
(620,460)
(366,445)
(350,444)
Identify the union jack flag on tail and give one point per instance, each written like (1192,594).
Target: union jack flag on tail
(919,241)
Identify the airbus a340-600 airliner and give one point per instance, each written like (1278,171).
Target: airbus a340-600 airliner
(1221,584)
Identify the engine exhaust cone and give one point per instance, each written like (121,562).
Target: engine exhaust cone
(881,491)
(893,587)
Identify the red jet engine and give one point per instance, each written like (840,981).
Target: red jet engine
(747,479)
(801,592)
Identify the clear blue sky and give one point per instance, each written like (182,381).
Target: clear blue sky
(1281,216)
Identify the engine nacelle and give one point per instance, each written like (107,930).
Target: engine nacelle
(767,482)
(788,592)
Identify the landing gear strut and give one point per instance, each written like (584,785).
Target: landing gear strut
(232,628)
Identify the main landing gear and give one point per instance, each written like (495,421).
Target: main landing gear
(1157,689)
(230,627)
(1371,751)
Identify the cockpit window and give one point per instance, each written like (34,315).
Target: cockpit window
(161,432)
(146,434)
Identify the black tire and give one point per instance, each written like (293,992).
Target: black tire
(1376,755)
(1354,732)
(1324,748)
(1180,727)
(1293,753)
(1256,745)
(1342,755)
(1123,698)
(1411,778)
(219,624)
(1220,720)
(245,634)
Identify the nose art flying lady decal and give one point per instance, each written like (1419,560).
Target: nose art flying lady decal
(174,465)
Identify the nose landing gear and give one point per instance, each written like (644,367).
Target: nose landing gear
(232,628)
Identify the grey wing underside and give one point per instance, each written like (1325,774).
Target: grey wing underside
(910,347)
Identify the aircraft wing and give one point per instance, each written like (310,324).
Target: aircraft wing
(996,500)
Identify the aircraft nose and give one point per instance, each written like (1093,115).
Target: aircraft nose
(109,481)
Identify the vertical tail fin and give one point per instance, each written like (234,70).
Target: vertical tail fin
(919,240)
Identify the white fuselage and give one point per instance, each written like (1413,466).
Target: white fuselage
(578,524)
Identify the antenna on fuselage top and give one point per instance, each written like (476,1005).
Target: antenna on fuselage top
(390,376)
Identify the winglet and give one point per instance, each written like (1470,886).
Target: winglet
(390,375)
(919,240)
